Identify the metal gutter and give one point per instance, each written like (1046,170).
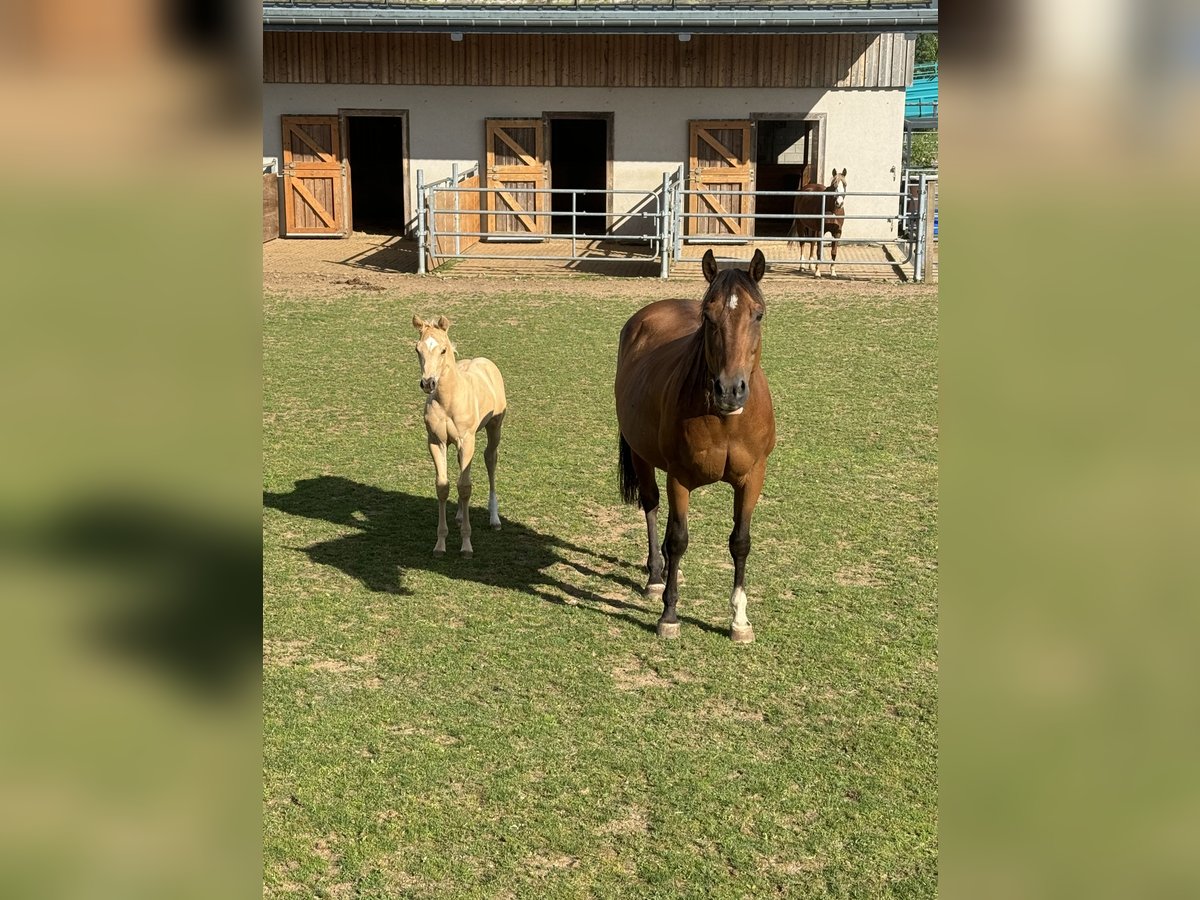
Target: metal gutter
(626,21)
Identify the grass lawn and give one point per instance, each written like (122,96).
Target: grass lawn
(509,726)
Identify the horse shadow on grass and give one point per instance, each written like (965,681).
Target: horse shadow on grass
(395,531)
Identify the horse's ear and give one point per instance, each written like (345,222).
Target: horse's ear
(443,323)
(843,173)
(709,265)
(834,173)
(418,322)
(758,266)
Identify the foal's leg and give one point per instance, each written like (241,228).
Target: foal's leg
(833,259)
(675,545)
(438,451)
(466,452)
(648,492)
(745,498)
(489,457)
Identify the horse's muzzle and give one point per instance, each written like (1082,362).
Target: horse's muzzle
(428,384)
(729,395)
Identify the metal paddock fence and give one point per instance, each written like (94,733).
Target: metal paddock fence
(665,227)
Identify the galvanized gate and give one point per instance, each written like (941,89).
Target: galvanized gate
(659,225)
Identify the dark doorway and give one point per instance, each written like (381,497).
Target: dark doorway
(786,156)
(579,161)
(376,154)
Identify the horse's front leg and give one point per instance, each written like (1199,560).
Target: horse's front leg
(745,498)
(437,450)
(674,547)
(833,258)
(466,452)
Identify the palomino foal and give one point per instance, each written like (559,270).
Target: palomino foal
(463,397)
(692,400)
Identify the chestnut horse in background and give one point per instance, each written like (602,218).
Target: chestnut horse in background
(693,401)
(832,199)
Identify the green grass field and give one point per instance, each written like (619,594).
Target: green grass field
(509,726)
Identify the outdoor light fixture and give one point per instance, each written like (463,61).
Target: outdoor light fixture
(456,36)
(684,38)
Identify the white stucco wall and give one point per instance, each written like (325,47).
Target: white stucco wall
(863,128)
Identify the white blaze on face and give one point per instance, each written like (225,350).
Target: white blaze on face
(840,199)
(732,302)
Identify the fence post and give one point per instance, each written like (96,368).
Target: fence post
(930,211)
(457,225)
(574,224)
(922,211)
(664,227)
(677,202)
(821,240)
(420,221)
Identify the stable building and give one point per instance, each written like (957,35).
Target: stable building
(358,97)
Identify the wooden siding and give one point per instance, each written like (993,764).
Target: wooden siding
(549,60)
(270,207)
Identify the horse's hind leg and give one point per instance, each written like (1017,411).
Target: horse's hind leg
(648,497)
(489,456)
(675,545)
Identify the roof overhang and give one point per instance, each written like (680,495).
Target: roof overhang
(740,19)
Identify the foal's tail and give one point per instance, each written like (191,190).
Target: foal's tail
(627,474)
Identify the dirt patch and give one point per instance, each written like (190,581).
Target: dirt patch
(283,653)
(544,862)
(634,676)
(634,821)
(861,575)
(331,665)
(723,711)
(797,867)
(380,265)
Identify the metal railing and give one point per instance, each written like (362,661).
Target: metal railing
(661,220)
(683,234)
(646,221)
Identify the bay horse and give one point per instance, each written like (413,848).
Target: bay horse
(832,199)
(463,397)
(693,401)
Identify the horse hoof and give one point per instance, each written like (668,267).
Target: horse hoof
(439,552)
(467,554)
(495,526)
(655,591)
(742,634)
(668,630)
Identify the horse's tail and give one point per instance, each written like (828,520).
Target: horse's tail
(630,491)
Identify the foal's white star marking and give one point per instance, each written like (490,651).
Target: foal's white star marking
(431,343)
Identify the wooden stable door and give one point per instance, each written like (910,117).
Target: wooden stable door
(719,161)
(516,163)
(314,176)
